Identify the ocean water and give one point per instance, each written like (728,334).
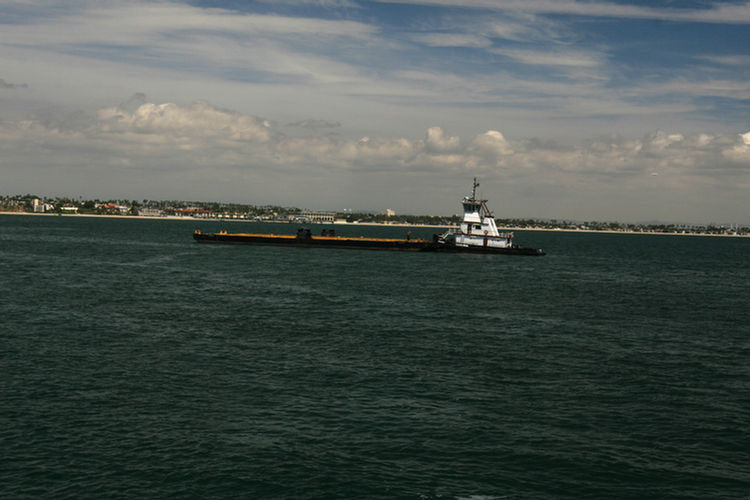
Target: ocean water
(135,363)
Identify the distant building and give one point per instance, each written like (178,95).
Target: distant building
(149,212)
(388,212)
(319,217)
(37,205)
(108,207)
(188,212)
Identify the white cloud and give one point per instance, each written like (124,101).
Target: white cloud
(311,124)
(742,61)
(739,152)
(515,31)
(329,4)
(718,13)
(198,121)
(189,39)
(307,66)
(552,58)
(438,141)
(492,144)
(451,40)
(119,22)
(206,130)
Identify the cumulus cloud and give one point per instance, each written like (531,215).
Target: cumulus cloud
(438,141)
(740,151)
(206,130)
(199,121)
(492,144)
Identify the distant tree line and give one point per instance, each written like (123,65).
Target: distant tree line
(618,227)
(430,220)
(95,206)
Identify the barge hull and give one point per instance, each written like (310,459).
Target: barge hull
(313,241)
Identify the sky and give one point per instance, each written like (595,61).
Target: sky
(628,111)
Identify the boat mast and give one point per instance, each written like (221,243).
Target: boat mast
(483,203)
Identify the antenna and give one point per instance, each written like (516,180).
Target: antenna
(474,190)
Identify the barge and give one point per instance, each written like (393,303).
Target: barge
(477,233)
(304,238)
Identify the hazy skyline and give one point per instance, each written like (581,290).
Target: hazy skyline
(584,110)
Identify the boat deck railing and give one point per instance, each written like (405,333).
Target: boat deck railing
(455,231)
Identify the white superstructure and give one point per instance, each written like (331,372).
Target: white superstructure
(477,227)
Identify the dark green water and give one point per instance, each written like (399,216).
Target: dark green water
(135,363)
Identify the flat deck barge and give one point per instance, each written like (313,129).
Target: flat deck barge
(304,238)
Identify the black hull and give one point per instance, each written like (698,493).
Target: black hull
(356,243)
(513,250)
(314,241)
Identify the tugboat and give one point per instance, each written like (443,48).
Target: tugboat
(478,233)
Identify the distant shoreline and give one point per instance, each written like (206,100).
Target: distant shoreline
(192,219)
